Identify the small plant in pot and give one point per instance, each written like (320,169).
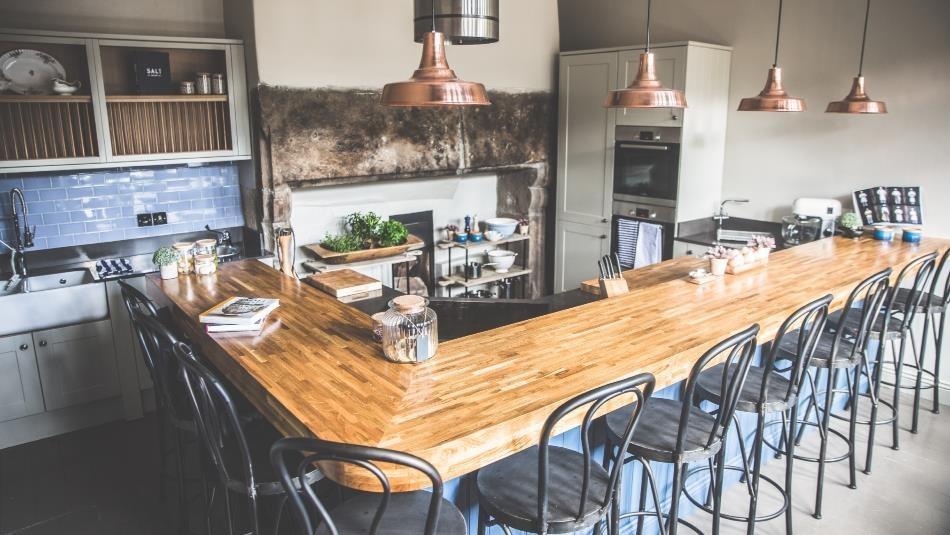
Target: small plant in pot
(523,226)
(850,225)
(718,257)
(166,259)
(761,246)
(450,232)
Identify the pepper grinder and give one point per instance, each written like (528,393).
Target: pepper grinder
(468,225)
(475,234)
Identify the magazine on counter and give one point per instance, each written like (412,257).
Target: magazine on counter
(239,311)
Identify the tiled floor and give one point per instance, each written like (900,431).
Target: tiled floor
(103,481)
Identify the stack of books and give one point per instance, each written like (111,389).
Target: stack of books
(238,314)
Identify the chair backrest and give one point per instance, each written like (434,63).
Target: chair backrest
(136,301)
(641,387)
(736,353)
(942,273)
(922,269)
(865,302)
(293,458)
(804,327)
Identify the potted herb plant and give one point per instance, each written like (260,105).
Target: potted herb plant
(166,259)
(450,231)
(850,225)
(523,227)
(718,257)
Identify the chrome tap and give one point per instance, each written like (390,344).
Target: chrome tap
(24,240)
(722,215)
(223,237)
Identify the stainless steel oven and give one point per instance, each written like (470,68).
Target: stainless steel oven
(646,165)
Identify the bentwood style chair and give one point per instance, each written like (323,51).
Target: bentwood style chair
(772,388)
(366,513)
(838,350)
(892,325)
(169,399)
(550,489)
(678,432)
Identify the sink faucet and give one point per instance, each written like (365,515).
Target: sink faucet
(722,215)
(223,237)
(22,240)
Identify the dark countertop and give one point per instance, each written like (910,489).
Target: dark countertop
(703,231)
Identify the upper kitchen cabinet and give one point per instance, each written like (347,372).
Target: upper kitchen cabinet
(670,68)
(141,101)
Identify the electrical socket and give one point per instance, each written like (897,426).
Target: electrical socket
(159,218)
(144,220)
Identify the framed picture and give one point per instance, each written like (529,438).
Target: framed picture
(150,72)
(893,205)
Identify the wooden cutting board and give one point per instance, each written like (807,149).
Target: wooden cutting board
(343,282)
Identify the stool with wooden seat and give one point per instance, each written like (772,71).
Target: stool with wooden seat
(770,388)
(837,350)
(891,325)
(550,489)
(678,432)
(401,513)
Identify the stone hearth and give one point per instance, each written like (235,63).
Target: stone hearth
(319,137)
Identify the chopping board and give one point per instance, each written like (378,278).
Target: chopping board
(343,283)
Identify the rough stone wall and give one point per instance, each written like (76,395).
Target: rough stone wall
(320,137)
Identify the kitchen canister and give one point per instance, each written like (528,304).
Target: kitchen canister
(187,88)
(203,83)
(911,235)
(410,330)
(883,233)
(217,84)
(186,259)
(205,264)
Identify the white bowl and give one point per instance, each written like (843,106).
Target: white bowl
(493,235)
(505,225)
(501,260)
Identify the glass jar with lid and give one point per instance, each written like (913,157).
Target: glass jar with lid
(205,264)
(410,330)
(186,259)
(207,246)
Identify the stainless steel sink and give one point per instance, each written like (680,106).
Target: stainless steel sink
(46,301)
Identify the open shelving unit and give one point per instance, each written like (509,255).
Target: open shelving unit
(489,275)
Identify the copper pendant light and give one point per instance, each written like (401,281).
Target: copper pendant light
(857,100)
(646,90)
(434,83)
(773,97)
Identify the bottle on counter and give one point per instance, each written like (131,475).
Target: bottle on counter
(410,330)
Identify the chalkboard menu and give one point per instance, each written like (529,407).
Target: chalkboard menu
(151,72)
(894,205)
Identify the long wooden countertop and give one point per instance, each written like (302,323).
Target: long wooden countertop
(315,370)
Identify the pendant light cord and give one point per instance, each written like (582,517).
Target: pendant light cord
(432,3)
(778,33)
(864,40)
(649,15)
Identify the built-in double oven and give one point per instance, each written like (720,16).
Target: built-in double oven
(646,178)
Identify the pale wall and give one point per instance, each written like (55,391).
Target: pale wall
(774,158)
(367,43)
(191,18)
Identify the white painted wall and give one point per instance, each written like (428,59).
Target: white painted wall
(190,18)
(320,211)
(774,158)
(367,43)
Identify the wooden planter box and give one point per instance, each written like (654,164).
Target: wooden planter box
(330,257)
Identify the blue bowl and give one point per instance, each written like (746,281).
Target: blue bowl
(503,225)
(911,235)
(883,233)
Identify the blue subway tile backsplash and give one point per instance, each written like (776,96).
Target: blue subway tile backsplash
(101,206)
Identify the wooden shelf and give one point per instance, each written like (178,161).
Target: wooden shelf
(488,275)
(44,99)
(166,98)
(514,238)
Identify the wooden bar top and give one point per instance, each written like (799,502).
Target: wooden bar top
(315,369)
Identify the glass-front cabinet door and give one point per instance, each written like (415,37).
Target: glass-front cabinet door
(48,113)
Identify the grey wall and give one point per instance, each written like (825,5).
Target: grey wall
(774,158)
(197,18)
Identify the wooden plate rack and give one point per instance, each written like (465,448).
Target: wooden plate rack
(154,124)
(42,127)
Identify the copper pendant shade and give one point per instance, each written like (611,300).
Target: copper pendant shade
(773,97)
(434,83)
(857,100)
(646,90)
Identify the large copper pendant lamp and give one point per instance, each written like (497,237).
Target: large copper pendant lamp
(857,100)
(646,90)
(773,97)
(434,83)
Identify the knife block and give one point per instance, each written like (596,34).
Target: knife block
(613,287)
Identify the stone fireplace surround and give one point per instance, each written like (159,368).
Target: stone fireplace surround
(310,138)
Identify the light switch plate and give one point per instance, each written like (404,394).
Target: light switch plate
(144,220)
(159,218)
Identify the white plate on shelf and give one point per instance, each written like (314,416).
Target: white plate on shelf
(29,72)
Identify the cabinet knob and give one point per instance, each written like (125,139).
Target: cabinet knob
(674,117)
(24,347)
(605,220)
(603,236)
(42,343)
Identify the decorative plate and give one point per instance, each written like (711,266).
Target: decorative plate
(29,72)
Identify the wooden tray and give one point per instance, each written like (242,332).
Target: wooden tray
(746,267)
(330,257)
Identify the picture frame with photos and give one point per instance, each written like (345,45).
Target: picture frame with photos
(892,205)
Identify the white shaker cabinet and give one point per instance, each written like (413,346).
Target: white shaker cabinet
(77,364)
(20,391)
(578,248)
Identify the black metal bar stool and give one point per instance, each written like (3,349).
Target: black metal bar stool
(236,449)
(892,325)
(771,388)
(837,350)
(171,407)
(697,437)
(550,489)
(933,303)
(367,513)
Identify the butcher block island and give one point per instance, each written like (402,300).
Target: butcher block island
(315,369)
